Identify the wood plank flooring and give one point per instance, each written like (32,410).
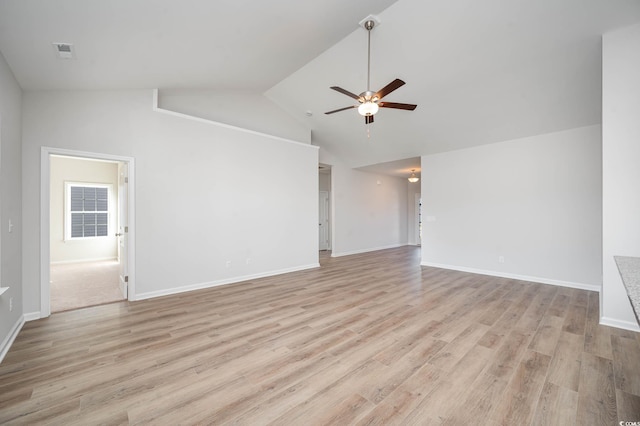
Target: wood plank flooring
(368,339)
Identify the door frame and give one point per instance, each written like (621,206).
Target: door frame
(417,217)
(122,227)
(45,231)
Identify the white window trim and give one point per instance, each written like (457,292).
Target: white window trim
(67,208)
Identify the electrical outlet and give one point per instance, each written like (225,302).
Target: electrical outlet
(228,264)
(10,304)
(501,259)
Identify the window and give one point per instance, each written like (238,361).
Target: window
(87,210)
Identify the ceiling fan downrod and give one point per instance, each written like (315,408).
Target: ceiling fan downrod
(369,102)
(369,26)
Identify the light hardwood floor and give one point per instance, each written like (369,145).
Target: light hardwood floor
(365,339)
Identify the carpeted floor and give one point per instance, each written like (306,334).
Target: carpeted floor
(82,284)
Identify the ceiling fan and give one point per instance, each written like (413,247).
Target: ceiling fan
(368,101)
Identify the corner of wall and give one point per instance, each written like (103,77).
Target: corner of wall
(11,337)
(11,211)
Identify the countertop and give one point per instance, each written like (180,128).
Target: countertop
(629,268)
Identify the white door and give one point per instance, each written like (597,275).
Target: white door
(323,220)
(123,226)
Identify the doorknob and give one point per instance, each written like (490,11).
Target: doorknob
(118,234)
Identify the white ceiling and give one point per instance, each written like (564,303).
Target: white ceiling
(135,44)
(480,71)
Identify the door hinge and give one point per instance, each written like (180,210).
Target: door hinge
(126,278)
(126,180)
(126,229)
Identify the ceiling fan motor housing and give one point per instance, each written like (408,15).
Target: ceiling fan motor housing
(368,96)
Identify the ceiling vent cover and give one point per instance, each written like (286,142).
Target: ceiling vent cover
(64,50)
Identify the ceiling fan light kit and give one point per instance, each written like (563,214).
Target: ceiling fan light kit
(368,108)
(369,101)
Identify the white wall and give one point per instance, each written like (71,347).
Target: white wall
(536,201)
(10,205)
(369,211)
(244,109)
(413,189)
(67,169)
(205,194)
(620,168)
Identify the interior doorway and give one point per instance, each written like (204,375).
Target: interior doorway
(324,207)
(323,220)
(418,218)
(84,218)
(86,258)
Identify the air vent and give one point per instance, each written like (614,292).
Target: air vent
(64,50)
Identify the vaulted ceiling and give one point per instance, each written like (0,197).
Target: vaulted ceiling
(134,44)
(480,71)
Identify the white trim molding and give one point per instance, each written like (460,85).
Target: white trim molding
(367,250)
(156,108)
(32,316)
(11,337)
(625,325)
(540,280)
(235,280)
(96,259)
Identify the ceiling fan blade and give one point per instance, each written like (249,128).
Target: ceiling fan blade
(368,119)
(342,109)
(395,84)
(396,105)
(346,92)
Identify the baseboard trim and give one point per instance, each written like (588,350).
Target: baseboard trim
(234,280)
(32,316)
(8,341)
(367,250)
(540,280)
(626,325)
(97,259)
